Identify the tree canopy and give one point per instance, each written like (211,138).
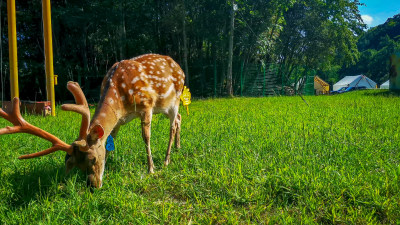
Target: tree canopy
(297,35)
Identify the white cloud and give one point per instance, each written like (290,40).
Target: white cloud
(367,19)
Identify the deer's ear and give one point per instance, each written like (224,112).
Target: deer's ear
(97,132)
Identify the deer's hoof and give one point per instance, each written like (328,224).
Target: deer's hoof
(166,162)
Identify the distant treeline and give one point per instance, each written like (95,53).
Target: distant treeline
(89,36)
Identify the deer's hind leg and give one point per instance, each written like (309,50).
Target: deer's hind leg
(178,120)
(173,117)
(146,132)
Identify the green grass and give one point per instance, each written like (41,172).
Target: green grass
(243,160)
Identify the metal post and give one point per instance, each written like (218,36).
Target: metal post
(48,46)
(264,82)
(282,90)
(241,78)
(12,45)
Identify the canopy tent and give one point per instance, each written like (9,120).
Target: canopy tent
(355,81)
(385,85)
(320,86)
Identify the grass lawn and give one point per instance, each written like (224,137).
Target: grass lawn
(243,160)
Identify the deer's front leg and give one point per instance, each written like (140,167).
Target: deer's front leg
(114,132)
(146,126)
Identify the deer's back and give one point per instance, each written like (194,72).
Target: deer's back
(151,80)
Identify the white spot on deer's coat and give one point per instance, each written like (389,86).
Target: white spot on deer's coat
(102,115)
(123,85)
(134,80)
(147,89)
(130,91)
(168,92)
(110,100)
(144,75)
(158,72)
(151,71)
(122,70)
(152,67)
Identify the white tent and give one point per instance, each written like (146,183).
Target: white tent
(355,81)
(385,85)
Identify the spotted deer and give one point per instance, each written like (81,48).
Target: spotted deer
(138,87)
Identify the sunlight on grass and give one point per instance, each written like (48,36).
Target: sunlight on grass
(243,160)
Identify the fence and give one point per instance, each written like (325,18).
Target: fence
(248,79)
(209,80)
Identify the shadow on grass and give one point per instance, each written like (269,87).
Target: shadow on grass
(383,93)
(41,182)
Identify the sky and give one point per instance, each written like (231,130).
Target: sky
(376,12)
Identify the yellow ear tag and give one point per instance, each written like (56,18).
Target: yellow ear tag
(185,98)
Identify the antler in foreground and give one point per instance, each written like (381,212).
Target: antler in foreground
(21,126)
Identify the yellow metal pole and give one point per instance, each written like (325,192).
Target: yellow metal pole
(48,48)
(12,45)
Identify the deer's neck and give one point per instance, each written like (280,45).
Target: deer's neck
(107,116)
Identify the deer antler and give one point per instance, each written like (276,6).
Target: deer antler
(80,107)
(21,126)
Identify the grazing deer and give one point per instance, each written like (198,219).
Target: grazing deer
(138,87)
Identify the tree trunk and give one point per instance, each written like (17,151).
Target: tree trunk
(230,56)
(122,35)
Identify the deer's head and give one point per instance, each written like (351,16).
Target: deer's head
(86,152)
